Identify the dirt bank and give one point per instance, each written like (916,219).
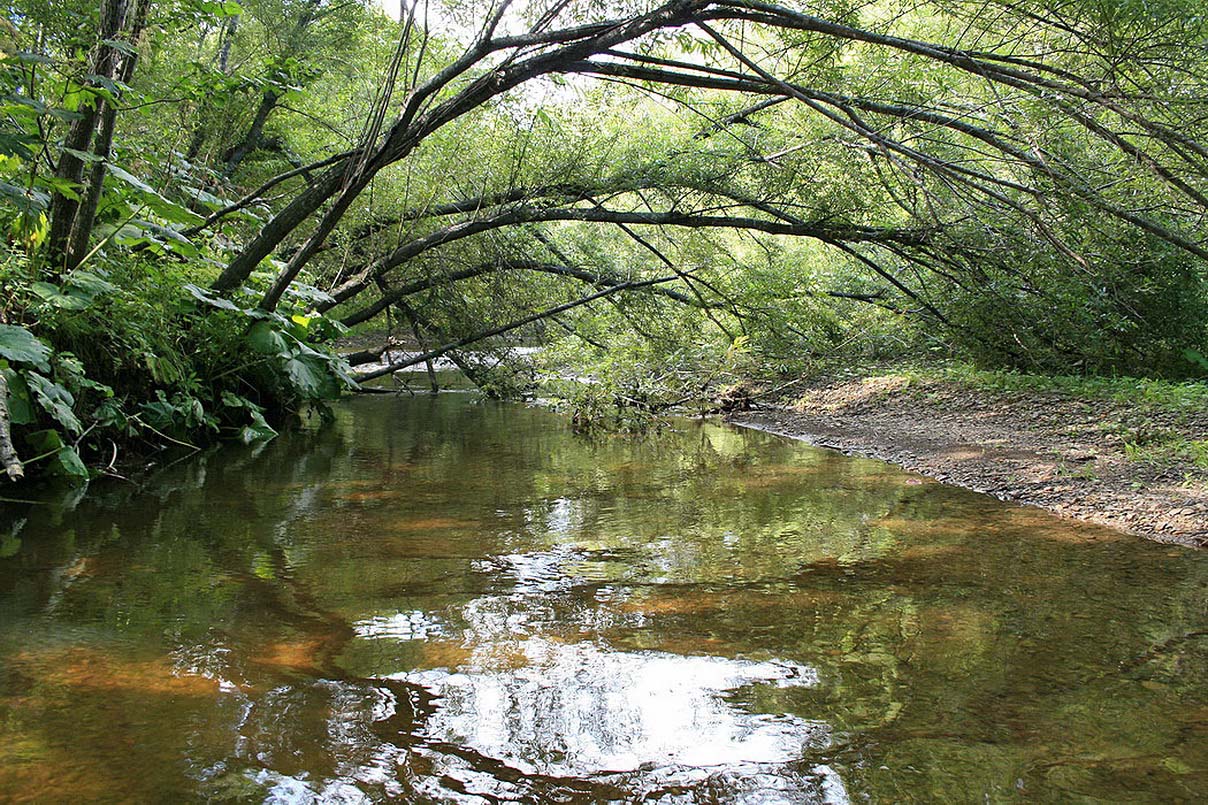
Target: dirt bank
(1092,459)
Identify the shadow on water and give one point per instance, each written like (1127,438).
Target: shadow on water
(437,600)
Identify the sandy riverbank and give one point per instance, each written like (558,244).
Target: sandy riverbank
(1076,457)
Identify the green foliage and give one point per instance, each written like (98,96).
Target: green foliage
(1057,253)
(1176,397)
(19,344)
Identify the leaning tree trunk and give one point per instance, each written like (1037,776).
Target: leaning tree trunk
(251,141)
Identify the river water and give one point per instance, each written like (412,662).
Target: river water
(441,600)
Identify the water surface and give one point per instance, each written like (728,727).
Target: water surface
(440,600)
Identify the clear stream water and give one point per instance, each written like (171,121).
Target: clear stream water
(438,600)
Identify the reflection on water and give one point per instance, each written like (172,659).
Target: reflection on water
(443,601)
(582,711)
(571,710)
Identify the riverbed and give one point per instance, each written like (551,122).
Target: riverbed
(438,599)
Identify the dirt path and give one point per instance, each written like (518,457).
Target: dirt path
(1068,455)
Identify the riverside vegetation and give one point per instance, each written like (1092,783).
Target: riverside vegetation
(200,197)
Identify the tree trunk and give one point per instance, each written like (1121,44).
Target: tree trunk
(63,210)
(279,228)
(81,230)
(224,58)
(251,141)
(413,320)
(9,461)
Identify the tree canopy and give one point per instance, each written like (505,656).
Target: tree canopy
(202,195)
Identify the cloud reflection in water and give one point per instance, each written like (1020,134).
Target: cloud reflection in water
(576,711)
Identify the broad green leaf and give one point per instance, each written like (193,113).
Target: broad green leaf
(27,200)
(1196,357)
(88,283)
(20,406)
(259,430)
(27,57)
(266,340)
(202,295)
(311,378)
(169,210)
(168,237)
(309,293)
(68,462)
(66,115)
(32,103)
(119,45)
(306,378)
(55,400)
(83,156)
(19,344)
(18,145)
(45,441)
(10,545)
(54,295)
(63,187)
(205,197)
(231,400)
(221,8)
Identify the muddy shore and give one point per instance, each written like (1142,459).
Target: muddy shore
(1075,457)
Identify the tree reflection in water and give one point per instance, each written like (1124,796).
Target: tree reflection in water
(439,601)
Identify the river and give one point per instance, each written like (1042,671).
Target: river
(436,599)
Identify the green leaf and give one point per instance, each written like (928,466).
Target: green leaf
(17,145)
(20,406)
(45,441)
(164,236)
(88,283)
(132,180)
(342,371)
(55,400)
(169,210)
(27,200)
(220,8)
(231,400)
(202,295)
(309,293)
(259,430)
(266,340)
(10,545)
(66,115)
(54,296)
(68,462)
(26,57)
(19,344)
(83,156)
(63,187)
(33,104)
(120,46)
(305,378)
(209,199)
(311,378)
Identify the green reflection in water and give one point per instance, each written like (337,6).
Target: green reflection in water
(439,600)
